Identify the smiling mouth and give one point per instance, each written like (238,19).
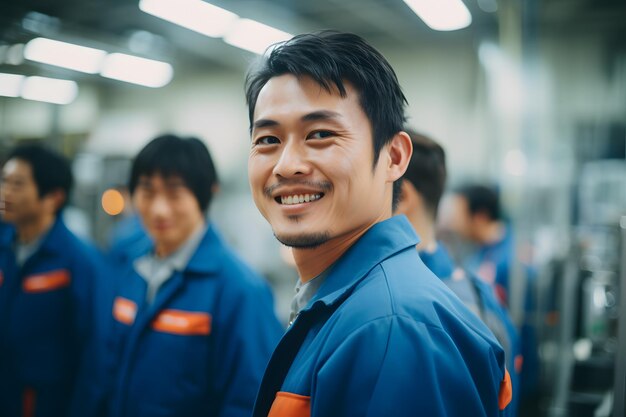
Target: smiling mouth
(298,198)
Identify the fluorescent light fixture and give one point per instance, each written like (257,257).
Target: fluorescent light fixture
(50,90)
(66,55)
(441,15)
(254,36)
(196,15)
(136,70)
(11,84)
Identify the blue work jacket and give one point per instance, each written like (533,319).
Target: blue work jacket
(45,322)
(201,346)
(493,263)
(384,337)
(480,298)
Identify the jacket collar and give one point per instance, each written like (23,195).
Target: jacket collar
(381,241)
(54,240)
(208,255)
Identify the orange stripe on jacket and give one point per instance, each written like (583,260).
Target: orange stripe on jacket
(1,278)
(124,310)
(182,322)
(28,402)
(46,281)
(288,404)
(506,391)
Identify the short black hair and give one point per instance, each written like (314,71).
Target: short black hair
(170,155)
(427,170)
(51,170)
(481,199)
(332,58)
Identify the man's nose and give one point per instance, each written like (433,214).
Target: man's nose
(160,206)
(293,160)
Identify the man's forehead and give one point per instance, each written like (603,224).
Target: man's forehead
(277,97)
(159,177)
(17,167)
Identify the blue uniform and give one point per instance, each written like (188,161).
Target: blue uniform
(45,320)
(479,297)
(384,337)
(199,349)
(493,263)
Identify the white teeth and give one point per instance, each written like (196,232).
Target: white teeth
(299,199)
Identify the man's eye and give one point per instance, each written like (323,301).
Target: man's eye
(321,134)
(267,140)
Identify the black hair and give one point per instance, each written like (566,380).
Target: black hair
(51,170)
(170,155)
(481,199)
(332,58)
(427,170)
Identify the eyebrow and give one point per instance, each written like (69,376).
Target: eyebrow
(309,117)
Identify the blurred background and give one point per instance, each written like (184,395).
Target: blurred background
(526,95)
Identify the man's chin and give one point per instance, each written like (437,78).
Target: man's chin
(303,241)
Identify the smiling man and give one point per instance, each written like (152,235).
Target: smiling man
(375,333)
(192,326)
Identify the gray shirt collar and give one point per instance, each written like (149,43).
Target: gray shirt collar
(23,251)
(156,270)
(304,292)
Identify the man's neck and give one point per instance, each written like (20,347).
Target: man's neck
(312,262)
(424,226)
(32,230)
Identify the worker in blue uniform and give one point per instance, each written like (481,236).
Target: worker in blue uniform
(422,187)
(374,332)
(46,281)
(191,326)
(478,218)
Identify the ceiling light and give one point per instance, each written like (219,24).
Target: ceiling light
(10,84)
(441,15)
(254,36)
(66,55)
(196,15)
(50,90)
(136,70)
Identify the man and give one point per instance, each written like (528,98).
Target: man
(422,187)
(46,281)
(478,218)
(375,333)
(192,326)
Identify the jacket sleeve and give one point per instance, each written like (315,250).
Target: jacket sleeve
(394,366)
(246,336)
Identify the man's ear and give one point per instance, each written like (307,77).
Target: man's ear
(53,201)
(399,149)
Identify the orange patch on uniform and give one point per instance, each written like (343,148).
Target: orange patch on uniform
(519,362)
(124,310)
(506,391)
(187,323)
(46,281)
(288,404)
(1,278)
